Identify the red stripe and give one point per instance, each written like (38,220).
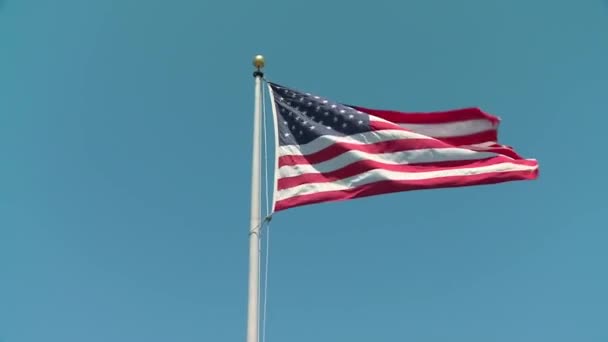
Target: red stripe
(471,139)
(362,166)
(506,151)
(437,117)
(384,187)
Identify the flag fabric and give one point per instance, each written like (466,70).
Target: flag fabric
(328,151)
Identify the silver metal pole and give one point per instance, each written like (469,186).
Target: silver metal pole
(256,221)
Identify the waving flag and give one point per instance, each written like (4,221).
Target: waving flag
(329,151)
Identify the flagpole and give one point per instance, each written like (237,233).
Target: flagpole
(255,223)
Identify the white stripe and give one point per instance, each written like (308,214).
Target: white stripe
(451,129)
(372,137)
(395,158)
(382,175)
(325,141)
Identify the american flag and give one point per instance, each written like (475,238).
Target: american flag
(328,151)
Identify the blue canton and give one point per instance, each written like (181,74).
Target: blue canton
(302,117)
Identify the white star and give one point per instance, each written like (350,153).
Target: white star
(316,97)
(300,132)
(344,125)
(281,99)
(335,119)
(309,104)
(324,101)
(301,99)
(286,134)
(293,127)
(342,111)
(304,113)
(328,127)
(326,113)
(333,106)
(351,116)
(312,127)
(285,122)
(318,108)
(360,122)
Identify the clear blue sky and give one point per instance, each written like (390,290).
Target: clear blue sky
(125,140)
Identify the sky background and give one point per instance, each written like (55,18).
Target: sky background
(125,140)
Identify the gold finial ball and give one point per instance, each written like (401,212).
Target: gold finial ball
(258,61)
